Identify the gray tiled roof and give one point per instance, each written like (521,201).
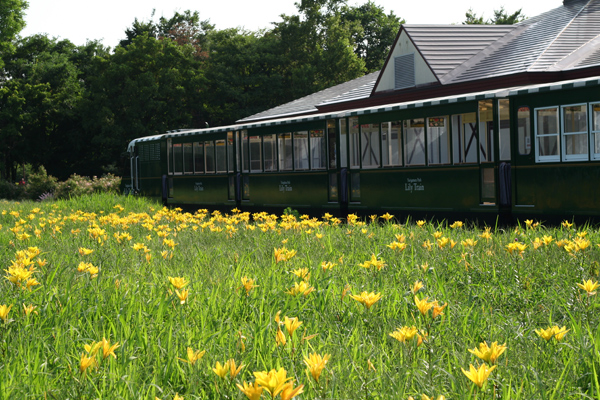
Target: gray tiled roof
(351,90)
(445,47)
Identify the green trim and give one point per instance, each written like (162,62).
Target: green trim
(378,115)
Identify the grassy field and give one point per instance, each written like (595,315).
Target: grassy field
(107,297)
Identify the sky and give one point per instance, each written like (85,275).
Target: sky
(80,21)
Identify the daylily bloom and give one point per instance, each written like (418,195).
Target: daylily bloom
(478,376)
(315,364)
(489,353)
(193,355)
(404,334)
(418,285)
(367,299)
(183,295)
(291,324)
(552,332)
(423,305)
(273,381)
(178,282)
(289,391)
(252,392)
(221,370)
(234,370)
(437,309)
(4,310)
(248,284)
(589,286)
(108,349)
(86,362)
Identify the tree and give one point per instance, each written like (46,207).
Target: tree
(500,18)
(12,21)
(372,31)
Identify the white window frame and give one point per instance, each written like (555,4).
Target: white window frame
(593,155)
(563,135)
(551,158)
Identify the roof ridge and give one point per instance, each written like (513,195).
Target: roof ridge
(558,35)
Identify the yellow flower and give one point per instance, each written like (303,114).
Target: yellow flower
(327,265)
(387,216)
(418,285)
(468,242)
(489,353)
(552,332)
(567,224)
(316,364)
(291,324)
(4,310)
(420,223)
(478,376)
(252,392)
(404,334)
(300,288)
(423,305)
(178,282)
(86,362)
(193,356)
(289,391)
(221,370)
(283,254)
(280,337)
(437,309)
(233,369)
(28,309)
(397,246)
(589,286)
(248,284)
(302,273)
(456,224)
(373,262)
(183,295)
(84,252)
(108,349)
(273,381)
(367,299)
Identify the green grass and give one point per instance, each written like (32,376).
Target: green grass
(492,295)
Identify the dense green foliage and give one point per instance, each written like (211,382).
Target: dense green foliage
(499,286)
(73,108)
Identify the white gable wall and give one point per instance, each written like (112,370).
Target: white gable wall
(423,73)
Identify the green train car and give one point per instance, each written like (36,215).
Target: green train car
(487,121)
(532,151)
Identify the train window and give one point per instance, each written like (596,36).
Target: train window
(301,150)
(523,126)
(343,141)
(370,151)
(209,157)
(574,132)
(546,134)
(199,157)
(504,134)
(486,131)
(331,139)
(270,152)
(169,156)
(438,141)
(595,130)
(255,154)
(318,149)
(284,145)
(178,158)
(414,141)
(391,143)
(244,153)
(464,138)
(230,153)
(188,158)
(220,154)
(353,141)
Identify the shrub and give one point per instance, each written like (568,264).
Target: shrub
(78,185)
(39,183)
(9,190)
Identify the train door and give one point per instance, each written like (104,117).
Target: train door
(523,159)
(232,169)
(243,168)
(487,153)
(337,163)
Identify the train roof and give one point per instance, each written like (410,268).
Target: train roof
(497,93)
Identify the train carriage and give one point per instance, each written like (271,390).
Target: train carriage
(526,144)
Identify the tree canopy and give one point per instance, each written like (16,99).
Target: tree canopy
(501,17)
